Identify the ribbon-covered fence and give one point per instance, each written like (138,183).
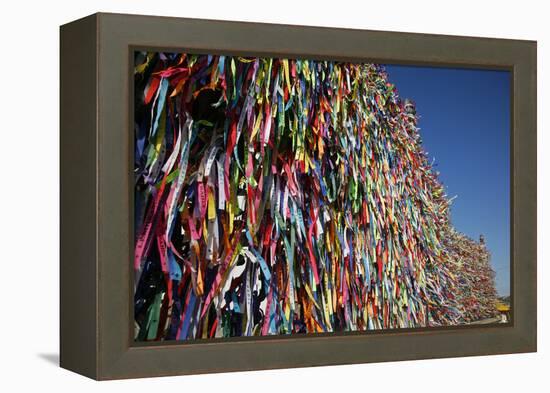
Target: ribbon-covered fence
(279,196)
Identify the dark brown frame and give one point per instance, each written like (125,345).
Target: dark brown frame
(96,189)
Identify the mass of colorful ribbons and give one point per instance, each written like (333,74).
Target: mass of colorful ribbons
(282,196)
(474,278)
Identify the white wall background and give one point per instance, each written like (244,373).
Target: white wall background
(29,196)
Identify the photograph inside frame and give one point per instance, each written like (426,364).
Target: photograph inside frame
(277,196)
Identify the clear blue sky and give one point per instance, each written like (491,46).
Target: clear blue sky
(465,126)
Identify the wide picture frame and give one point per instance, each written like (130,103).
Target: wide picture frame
(97,196)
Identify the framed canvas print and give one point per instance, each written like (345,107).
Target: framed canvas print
(241,196)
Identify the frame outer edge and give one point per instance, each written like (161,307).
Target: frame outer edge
(78,197)
(525,189)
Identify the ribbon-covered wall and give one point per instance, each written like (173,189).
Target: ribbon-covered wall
(279,196)
(476,294)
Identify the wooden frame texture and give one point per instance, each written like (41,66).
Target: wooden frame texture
(96,195)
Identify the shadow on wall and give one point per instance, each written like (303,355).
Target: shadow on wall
(52,358)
